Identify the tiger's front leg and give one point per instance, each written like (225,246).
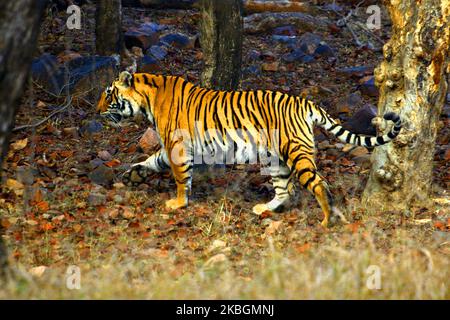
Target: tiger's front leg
(157,162)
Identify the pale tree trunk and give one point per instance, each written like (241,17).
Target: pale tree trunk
(221,40)
(108,27)
(413,82)
(19,25)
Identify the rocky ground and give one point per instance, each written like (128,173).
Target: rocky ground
(64,203)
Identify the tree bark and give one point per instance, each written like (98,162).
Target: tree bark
(412,82)
(221,40)
(108,27)
(19,25)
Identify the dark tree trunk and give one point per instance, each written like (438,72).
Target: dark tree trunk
(412,82)
(221,40)
(108,27)
(19,25)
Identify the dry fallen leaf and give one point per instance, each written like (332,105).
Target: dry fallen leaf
(31,222)
(15,186)
(217,244)
(43,206)
(113,163)
(19,144)
(38,271)
(273,227)
(218,258)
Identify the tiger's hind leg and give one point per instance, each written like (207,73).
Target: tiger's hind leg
(284,187)
(182,168)
(139,172)
(306,172)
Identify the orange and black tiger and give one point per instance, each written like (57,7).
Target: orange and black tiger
(197,124)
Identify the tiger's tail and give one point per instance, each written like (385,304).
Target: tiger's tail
(360,140)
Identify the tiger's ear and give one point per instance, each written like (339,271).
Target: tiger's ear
(125,78)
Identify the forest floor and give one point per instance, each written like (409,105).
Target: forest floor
(127,245)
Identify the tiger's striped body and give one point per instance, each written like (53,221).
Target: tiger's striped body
(238,118)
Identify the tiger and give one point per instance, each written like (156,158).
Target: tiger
(223,120)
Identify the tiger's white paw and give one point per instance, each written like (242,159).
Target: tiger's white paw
(260,208)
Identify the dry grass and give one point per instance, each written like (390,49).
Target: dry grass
(294,261)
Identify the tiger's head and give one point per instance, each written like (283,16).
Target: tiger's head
(121,100)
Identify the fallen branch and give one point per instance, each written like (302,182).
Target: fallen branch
(250,6)
(263,22)
(34,125)
(256,6)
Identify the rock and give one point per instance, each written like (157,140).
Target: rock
(332,7)
(309,42)
(102,175)
(254,55)
(94,163)
(140,38)
(151,27)
(368,87)
(351,102)
(270,66)
(323,145)
(333,152)
(297,55)
(26,174)
(285,31)
(71,132)
(177,40)
(358,151)
(148,64)
(324,50)
(285,39)
(104,155)
(91,127)
(89,70)
(149,141)
(96,199)
(78,73)
(269,56)
(252,70)
(68,55)
(356,72)
(46,71)
(157,52)
(361,121)
(363,161)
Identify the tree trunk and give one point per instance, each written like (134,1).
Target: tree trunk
(108,27)
(412,82)
(19,25)
(221,40)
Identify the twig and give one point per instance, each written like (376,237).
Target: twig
(34,125)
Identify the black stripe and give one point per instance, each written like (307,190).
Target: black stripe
(340,132)
(380,140)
